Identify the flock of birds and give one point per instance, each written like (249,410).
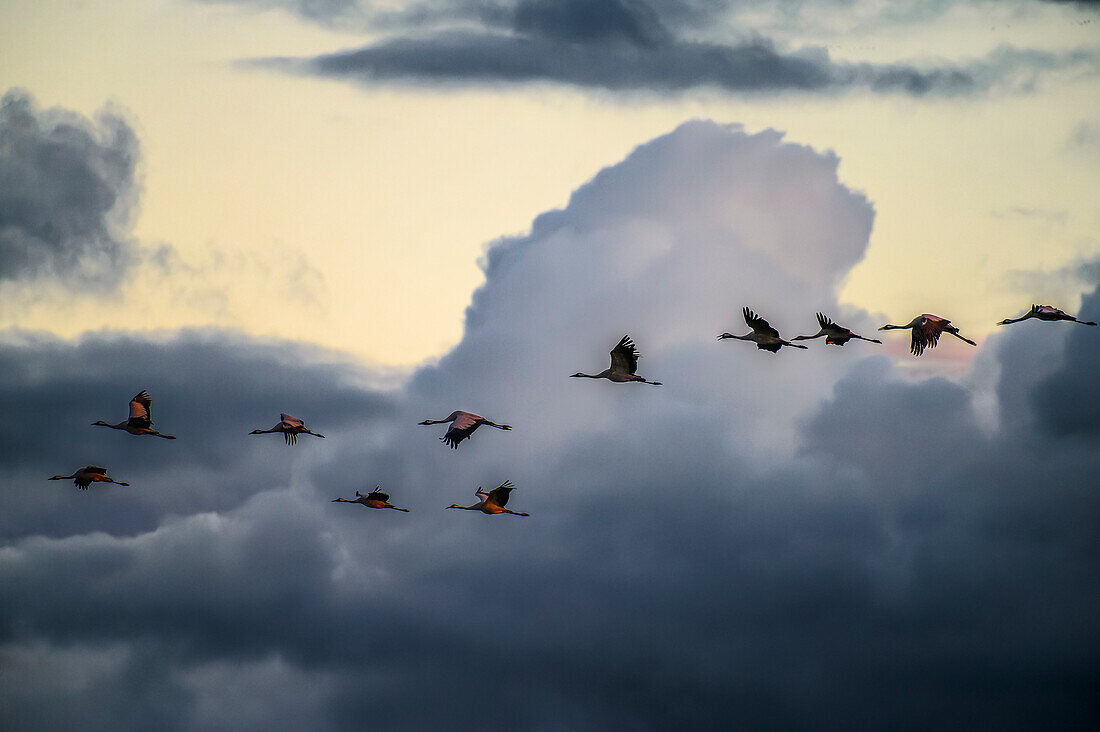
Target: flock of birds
(926,331)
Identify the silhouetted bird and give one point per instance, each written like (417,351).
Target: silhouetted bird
(463,425)
(1045,312)
(493,502)
(291,427)
(141,418)
(836,335)
(374,499)
(624,365)
(926,332)
(86,476)
(766,337)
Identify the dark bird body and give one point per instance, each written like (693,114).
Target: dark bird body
(374,499)
(493,502)
(141,418)
(835,335)
(624,365)
(462,427)
(88,475)
(290,427)
(927,329)
(766,337)
(1048,313)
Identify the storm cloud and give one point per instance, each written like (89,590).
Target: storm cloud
(67,187)
(797,540)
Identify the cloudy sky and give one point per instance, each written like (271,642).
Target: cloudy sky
(367,214)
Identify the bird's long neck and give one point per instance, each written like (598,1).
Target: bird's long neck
(895,327)
(466,508)
(1008,321)
(63,477)
(119,426)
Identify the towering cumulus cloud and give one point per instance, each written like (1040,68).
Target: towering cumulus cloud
(796,540)
(66,188)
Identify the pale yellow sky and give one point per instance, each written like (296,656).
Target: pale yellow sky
(354,216)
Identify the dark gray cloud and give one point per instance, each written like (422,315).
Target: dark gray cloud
(67,186)
(754,65)
(1067,401)
(209,389)
(634,45)
(800,540)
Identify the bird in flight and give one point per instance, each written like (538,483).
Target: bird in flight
(927,330)
(141,418)
(86,476)
(493,502)
(374,499)
(463,425)
(836,335)
(1045,312)
(766,337)
(291,427)
(624,365)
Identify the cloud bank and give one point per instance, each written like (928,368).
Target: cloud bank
(635,46)
(67,185)
(795,540)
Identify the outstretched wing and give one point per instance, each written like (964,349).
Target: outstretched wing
(95,469)
(461,427)
(624,357)
(1048,310)
(499,495)
(377,495)
(823,321)
(926,334)
(465,420)
(289,421)
(141,410)
(758,324)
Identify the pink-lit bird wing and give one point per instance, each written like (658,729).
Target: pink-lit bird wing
(462,427)
(140,410)
(288,421)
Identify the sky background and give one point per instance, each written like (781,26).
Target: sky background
(366,214)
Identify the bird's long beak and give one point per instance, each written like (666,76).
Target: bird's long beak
(885,327)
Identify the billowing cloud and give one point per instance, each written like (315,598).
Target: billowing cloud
(776,539)
(67,185)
